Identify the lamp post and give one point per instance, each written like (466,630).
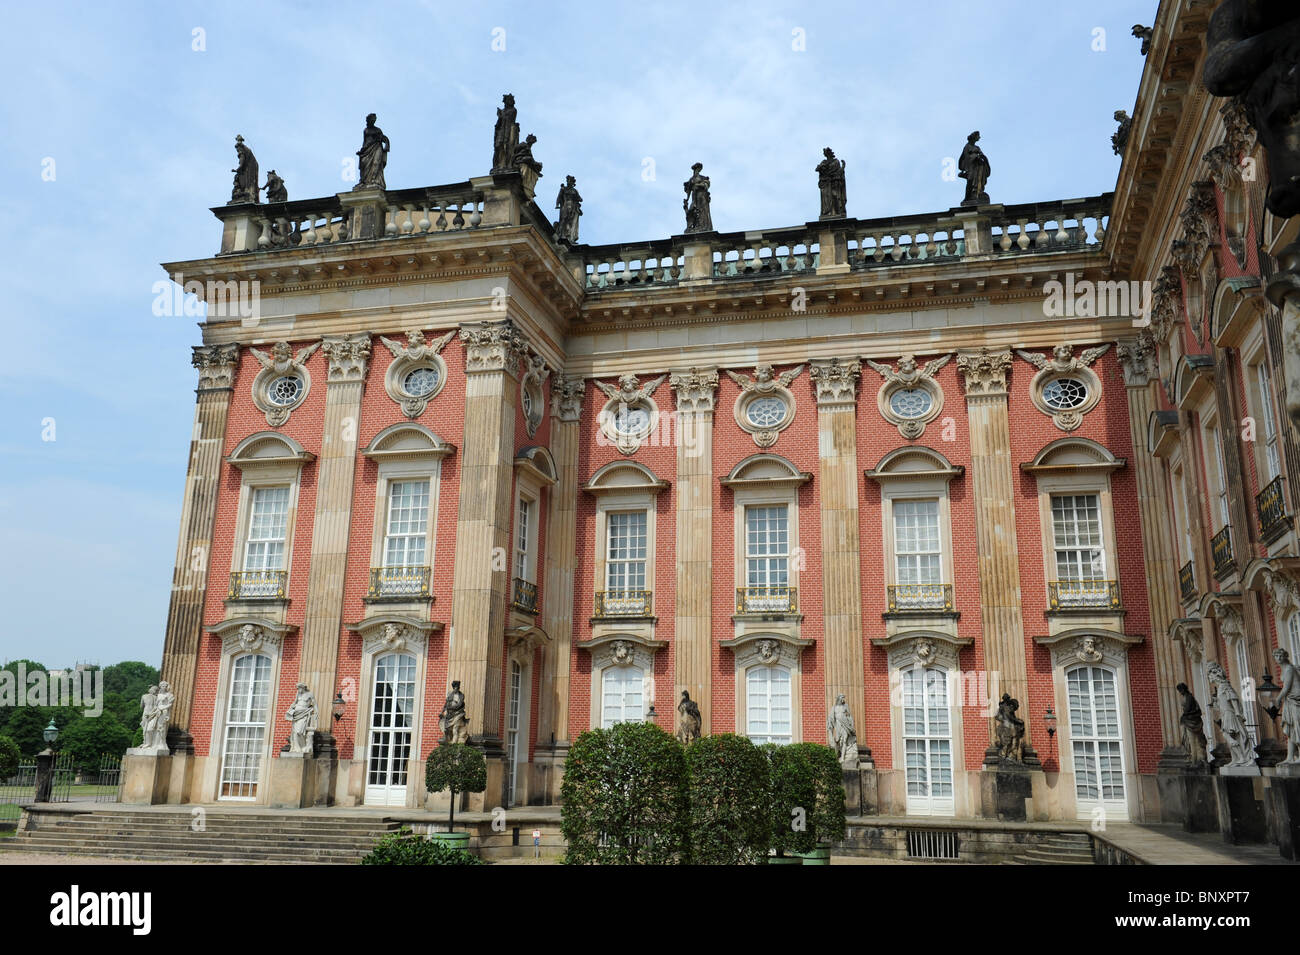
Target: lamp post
(1267,692)
(338,706)
(45,764)
(1050,719)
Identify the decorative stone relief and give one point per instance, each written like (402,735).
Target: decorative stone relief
(1200,220)
(1283,593)
(984,372)
(392,637)
(835,382)
(695,390)
(1065,388)
(532,397)
(1188,633)
(1166,303)
(766,405)
(417,373)
(623,652)
(910,398)
(629,416)
(349,356)
(1086,650)
(567,393)
(216,365)
(497,346)
(249,638)
(283,382)
(1137,360)
(1231,623)
(767,651)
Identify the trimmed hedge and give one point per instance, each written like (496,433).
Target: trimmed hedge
(729,801)
(404,847)
(807,801)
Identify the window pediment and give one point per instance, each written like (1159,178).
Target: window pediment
(622,649)
(1162,433)
(624,477)
(392,632)
(268,449)
(537,462)
(923,647)
(914,462)
(407,440)
(1193,379)
(1072,455)
(250,634)
(1088,645)
(766,471)
(767,649)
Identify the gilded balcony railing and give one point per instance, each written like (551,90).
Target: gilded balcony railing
(780,599)
(252,584)
(1083,595)
(1270,508)
(1221,551)
(1186,582)
(622,603)
(908,597)
(525,596)
(408,581)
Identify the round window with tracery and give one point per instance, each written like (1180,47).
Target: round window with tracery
(910,403)
(420,382)
(284,391)
(631,421)
(766,412)
(1062,394)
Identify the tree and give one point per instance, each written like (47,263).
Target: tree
(807,796)
(26,727)
(89,738)
(729,821)
(458,767)
(131,678)
(624,797)
(9,758)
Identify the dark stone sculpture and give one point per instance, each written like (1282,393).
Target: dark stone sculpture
(569,202)
(505,137)
(696,203)
(830,180)
(1193,725)
(1143,34)
(373,156)
(973,166)
(1009,731)
(275,188)
(245,188)
(1119,138)
(1254,54)
(523,156)
(452,719)
(691,722)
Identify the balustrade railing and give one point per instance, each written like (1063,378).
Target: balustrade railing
(524,596)
(779,599)
(903,598)
(1083,595)
(1186,582)
(622,603)
(258,584)
(1050,226)
(405,581)
(1221,552)
(1270,509)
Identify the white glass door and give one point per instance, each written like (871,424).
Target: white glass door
(392,723)
(1096,741)
(245,739)
(512,729)
(927,742)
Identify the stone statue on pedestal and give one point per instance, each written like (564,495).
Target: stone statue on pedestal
(1192,724)
(523,156)
(841,734)
(830,180)
(452,719)
(1289,699)
(691,722)
(373,156)
(973,166)
(302,715)
(1009,731)
(245,188)
(505,137)
(275,188)
(569,202)
(1231,718)
(696,204)
(149,718)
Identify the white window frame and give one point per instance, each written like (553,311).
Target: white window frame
(635,570)
(1087,806)
(928,804)
(774,673)
(229,724)
(940,545)
(1095,561)
(422,534)
(390,795)
(257,494)
(627,675)
(773,567)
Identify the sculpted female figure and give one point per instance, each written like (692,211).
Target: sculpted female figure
(373,156)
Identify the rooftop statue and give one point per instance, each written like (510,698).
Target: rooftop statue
(505,137)
(973,166)
(1143,34)
(696,203)
(373,156)
(1119,138)
(275,188)
(523,156)
(245,188)
(569,202)
(830,180)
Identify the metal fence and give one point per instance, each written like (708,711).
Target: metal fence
(17,791)
(100,780)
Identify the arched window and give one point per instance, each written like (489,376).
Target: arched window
(245,742)
(767,695)
(622,695)
(1095,737)
(927,741)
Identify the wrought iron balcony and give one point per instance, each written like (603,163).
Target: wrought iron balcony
(1083,595)
(1270,508)
(525,596)
(1221,551)
(906,598)
(622,603)
(781,599)
(258,585)
(1186,582)
(410,581)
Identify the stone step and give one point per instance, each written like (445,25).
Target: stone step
(240,855)
(359,846)
(115,827)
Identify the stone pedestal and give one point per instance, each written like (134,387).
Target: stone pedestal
(1200,806)
(1282,808)
(1241,812)
(293,781)
(326,757)
(861,791)
(1004,792)
(146,780)
(494,795)
(366,210)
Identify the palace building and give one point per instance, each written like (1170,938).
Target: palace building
(923,461)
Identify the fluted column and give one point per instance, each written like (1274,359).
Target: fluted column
(693,637)
(348,357)
(835,383)
(217,365)
(993,489)
(1137,361)
(493,353)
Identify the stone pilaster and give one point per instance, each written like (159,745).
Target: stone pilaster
(835,384)
(1137,360)
(493,352)
(217,365)
(348,358)
(993,490)
(561,555)
(693,639)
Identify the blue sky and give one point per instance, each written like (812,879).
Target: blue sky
(140,127)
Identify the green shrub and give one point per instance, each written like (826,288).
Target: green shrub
(9,758)
(624,797)
(729,802)
(458,767)
(404,847)
(807,801)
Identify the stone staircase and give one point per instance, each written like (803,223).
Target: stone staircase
(238,837)
(1061,848)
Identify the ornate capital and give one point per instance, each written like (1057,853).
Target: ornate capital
(1137,359)
(349,356)
(695,389)
(984,372)
(566,397)
(216,365)
(835,382)
(1231,623)
(494,346)
(1283,593)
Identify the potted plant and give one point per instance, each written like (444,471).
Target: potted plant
(460,768)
